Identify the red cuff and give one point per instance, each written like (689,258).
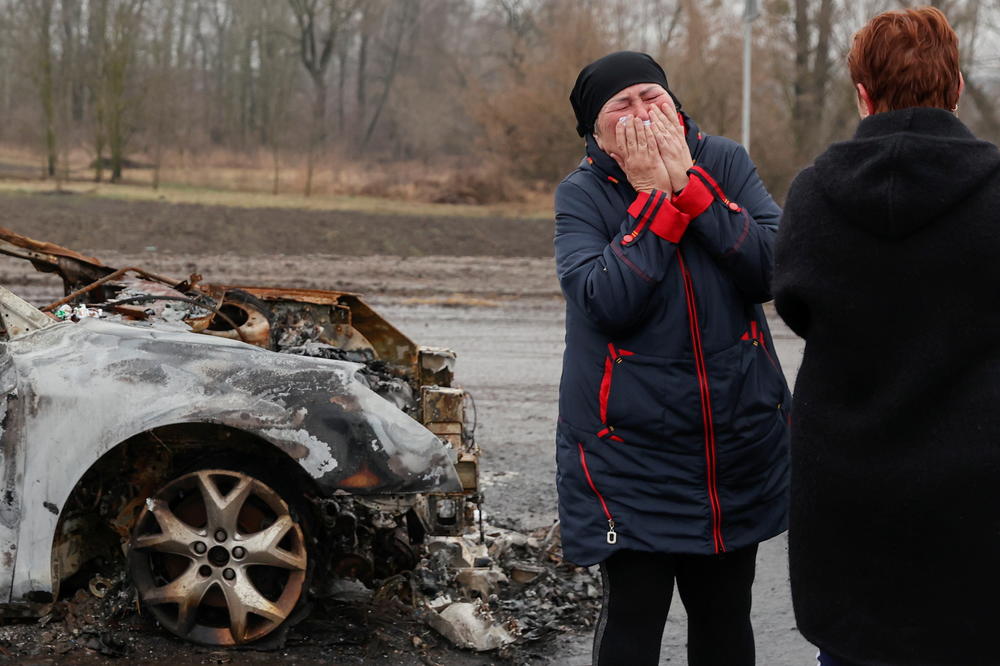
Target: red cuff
(652,210)
(706,177)
(642,206)
(694,199)
(670,223)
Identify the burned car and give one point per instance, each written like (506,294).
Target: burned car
(235,447)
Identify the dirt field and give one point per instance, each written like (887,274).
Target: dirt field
(87,222)
(484,288)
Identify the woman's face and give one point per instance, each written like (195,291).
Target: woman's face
(635,100)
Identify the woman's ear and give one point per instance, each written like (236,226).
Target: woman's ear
(865,106)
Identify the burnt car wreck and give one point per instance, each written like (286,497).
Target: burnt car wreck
(235,445)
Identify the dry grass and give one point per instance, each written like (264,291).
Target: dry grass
(225,179)
(232,198)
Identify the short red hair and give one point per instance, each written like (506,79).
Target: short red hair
(907,58)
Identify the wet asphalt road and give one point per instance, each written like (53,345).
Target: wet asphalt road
(510,358)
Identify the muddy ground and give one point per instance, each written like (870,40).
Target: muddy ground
(484,288)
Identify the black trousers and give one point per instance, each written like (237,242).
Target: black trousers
(715,590)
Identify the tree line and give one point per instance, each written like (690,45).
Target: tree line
(477,87)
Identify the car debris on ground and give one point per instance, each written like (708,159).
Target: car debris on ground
(502,594)
(398,547)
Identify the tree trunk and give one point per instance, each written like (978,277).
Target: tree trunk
(341,83)
(800,85)
(812,77)
(96,29)
(276,166)
(72,20)
(116,145)
(46,86)
(99,150)
(315,51)
(405,21)
(362,90)
(318,133)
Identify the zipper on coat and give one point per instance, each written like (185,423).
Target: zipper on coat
(612,536)
(706,405)
(613,358)
(757,335)
(767,353)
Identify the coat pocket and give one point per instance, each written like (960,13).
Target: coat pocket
(763,392)
(614,358)
(650,399)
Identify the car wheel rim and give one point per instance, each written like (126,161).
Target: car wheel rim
(218,558)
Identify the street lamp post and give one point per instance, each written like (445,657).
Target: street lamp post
(750,12)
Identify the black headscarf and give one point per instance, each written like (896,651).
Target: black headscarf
(601,79)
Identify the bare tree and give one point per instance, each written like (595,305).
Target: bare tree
(371,15)
(813,36)
(405,19)
(122,33)
(6,55)
(160,83)
(40,14)
(321,23)
(97,50)
(176,82)
(275,81)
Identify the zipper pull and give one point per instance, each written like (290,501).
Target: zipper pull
(612,535)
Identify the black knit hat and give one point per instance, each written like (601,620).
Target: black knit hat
(600,80)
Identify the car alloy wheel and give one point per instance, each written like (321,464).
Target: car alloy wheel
(218,558)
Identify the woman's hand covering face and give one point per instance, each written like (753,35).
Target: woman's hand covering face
(640,155)
(668,130)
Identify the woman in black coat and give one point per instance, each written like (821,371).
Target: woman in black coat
(888,264)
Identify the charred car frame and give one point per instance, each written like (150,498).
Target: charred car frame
(237,446)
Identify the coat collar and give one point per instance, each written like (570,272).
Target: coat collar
(918,119)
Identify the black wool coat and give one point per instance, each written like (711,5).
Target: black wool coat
(888,264)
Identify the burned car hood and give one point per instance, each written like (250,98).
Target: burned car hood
(130,379)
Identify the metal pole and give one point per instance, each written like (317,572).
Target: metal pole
(747,34)
(750,13)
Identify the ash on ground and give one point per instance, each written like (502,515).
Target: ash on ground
(503,589)
(495,595)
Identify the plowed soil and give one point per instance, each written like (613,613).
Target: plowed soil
(82,222)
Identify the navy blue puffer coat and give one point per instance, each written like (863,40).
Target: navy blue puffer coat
(673,427)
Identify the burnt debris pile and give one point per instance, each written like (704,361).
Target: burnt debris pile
(93,620)
(506,587)
(498,590)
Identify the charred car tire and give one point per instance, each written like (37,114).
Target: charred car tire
(221,557)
